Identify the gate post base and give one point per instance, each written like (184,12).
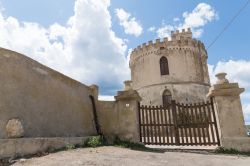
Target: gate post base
(241,144)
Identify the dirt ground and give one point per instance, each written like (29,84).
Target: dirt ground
(113,156)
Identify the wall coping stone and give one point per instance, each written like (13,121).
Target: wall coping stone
(224,88)
(128,95)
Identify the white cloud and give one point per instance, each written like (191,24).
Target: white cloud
(197,32)
(165,31)
(130,25)
(176,19)
(201,15)
(246,111)
(86,48)
(211,73)
(152,29)
(237,71)
(106,98)
(1,7)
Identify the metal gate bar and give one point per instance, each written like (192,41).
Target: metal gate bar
(179,124)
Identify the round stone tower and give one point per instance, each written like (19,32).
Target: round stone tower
(174,68)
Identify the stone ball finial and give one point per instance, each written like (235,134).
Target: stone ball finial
(221,78)
(128,85)
(14,128)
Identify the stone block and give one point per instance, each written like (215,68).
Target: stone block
(14,128)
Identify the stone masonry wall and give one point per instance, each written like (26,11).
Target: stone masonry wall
(184,93)
(47,103)
(120,118)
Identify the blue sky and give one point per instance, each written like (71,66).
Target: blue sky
(151,13)
(89,40)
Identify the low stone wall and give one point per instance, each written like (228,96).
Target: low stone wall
(41,108)
(120,118)
(27,146)
(108,118)
(36,101)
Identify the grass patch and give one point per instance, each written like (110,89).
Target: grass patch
(95,141)
(67,147)
(70,147)
(128,144)
(223,150)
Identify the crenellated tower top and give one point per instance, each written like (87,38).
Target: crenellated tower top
(177,35)
(179,40)
(176,65)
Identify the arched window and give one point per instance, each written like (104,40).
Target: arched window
(164,66)
(166,98)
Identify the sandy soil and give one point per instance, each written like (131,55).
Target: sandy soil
(113,156)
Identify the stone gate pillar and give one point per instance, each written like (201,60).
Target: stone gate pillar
(127,106)
(230,115)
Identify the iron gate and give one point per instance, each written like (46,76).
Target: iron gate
(179,124)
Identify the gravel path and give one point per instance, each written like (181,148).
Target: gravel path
(108,156)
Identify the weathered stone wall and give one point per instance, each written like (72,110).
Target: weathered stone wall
(184,93)
(47,103)
(187,60)
(108,117)
(120,118)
